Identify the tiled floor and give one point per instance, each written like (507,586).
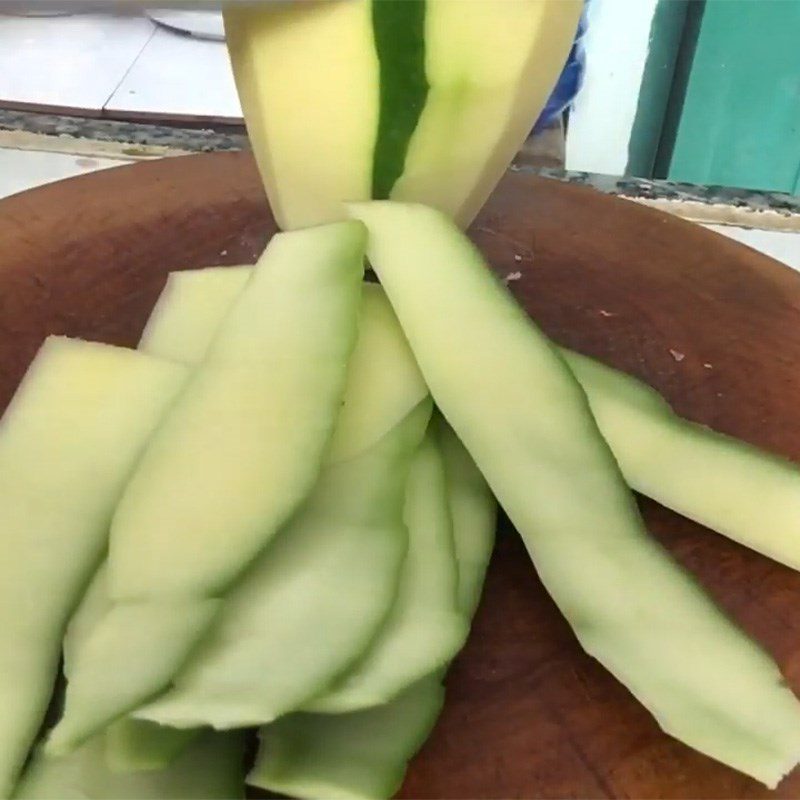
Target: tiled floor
(68,62)
(97,62)
(179,76)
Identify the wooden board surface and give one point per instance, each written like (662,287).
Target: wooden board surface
(711,324)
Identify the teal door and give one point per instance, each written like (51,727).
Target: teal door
(739,122)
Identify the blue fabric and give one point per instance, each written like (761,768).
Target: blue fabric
(570,80)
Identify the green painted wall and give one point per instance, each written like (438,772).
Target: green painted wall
(666,31)
(739,120)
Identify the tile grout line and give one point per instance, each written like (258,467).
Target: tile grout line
(127,72)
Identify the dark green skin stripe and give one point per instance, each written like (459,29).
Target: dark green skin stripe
(399,29)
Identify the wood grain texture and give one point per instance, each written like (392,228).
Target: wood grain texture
(711,324)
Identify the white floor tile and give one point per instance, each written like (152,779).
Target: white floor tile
(179,75)
(781,245)
(25,169)
(72,62)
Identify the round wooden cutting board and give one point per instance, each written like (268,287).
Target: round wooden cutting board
(713,325)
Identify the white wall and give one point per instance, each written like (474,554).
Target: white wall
(618,43)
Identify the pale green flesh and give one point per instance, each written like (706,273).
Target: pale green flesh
(704,475)
(518,410)
(383,384)
(131,745)
(383,381)
(425,629)
(181,326)
(235,455)
(165,630)
(242,445)
(473,510)
(94,605)
(68,442)
(732,487)
(190,310)
(362,754)
(209,769)
(312,603)
(367,460)
(134,745)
